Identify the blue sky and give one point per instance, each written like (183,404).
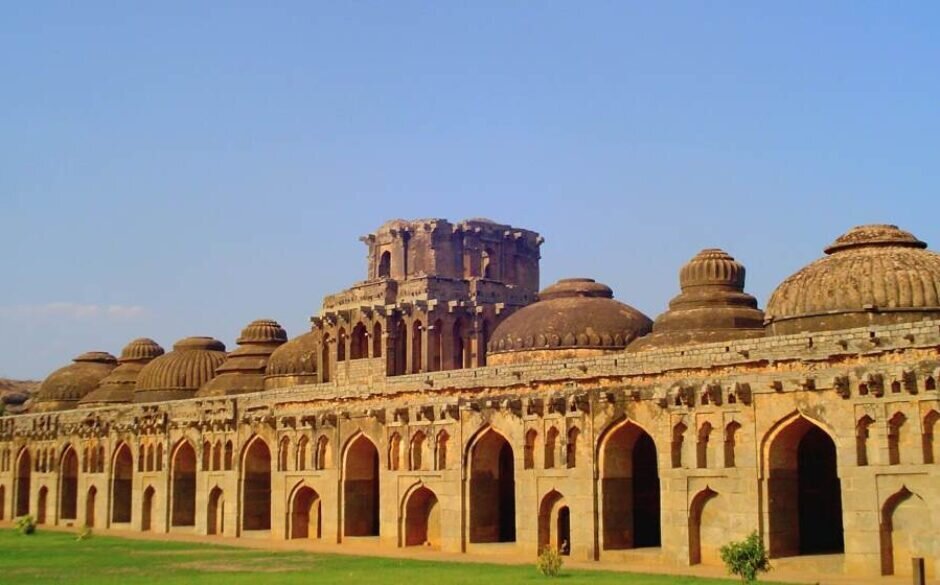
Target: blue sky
(170,169)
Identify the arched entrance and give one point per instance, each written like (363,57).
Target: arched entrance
(90,500)
(703,522)
(41,505)
(906,532)
(630,489)
(24,471)
(122,485)
(492,489)
(422,519)
(256,486)
(68,488)
(305,514)
(3,502)
(146,509)
(804,492)
(184,486)
(215,514)
(361,488)
(554,523)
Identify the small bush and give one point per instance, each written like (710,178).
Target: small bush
(25,525)
(550,562)
(85,533)
(746,558)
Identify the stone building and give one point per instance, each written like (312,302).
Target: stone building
(443,402)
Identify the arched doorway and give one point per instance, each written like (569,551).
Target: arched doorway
(361,488)
(184,486)
(906,532)
(554,523)
(804,492)
(630,489)
(3,502)
(41,505)
(215,514)
(492,489)
(703,525)
(146,509)
(24,471)
(68,489)
(122,485)
(90,500)
(305,514)
(256,486)
(422,519)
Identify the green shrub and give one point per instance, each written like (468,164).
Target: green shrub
(25,524)
(85,533)
(746,558)
(549,562)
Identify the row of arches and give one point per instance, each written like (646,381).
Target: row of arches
(319,457)
(418,454)
(902,439)
(552,448)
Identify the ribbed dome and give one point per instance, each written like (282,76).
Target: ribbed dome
(66,386)
(573,317)
(243,369)
(294,363)
(118,386)
(181,372)
(711,307)
(873,274)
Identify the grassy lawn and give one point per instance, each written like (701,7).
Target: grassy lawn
(56,557)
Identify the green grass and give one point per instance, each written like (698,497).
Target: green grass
(57,557)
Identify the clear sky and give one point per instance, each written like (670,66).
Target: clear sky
(182,168)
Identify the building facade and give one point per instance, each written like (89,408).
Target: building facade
(445,403)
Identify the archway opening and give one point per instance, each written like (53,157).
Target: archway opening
(215,514)
(361,489)
(24,471)
(705,528)
(256,487)
(41,505)
(359,343)
(554,524)
(146,509)
(90,501)
(805,493)
(122,485)
(3,501)
(184,486)
(492,490)
(630,488)
(906,532)
(385,265)
(68,494)
(422,519)
(305,514)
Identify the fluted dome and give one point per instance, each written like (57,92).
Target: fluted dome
(575,317)
(294,362)
(180,373)
(243,369)
(711,307)
(872,275)
(118,386)
(66,386)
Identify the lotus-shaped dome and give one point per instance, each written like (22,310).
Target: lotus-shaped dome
(118,386)
(711,307)
(180,373)
(872,275)
(243,369)
(575,317)
(294,363)
(66,386)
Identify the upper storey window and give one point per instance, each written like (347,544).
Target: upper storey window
(385,265)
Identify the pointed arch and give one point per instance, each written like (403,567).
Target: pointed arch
(929,437)
(305,517)
(301,462)
(24,473)
(122,481)
(360,487)
(283,453)
(394,452)
(377,340)
(42,505)
(551,447)
(91,501)
(324,454)
(702,519)
(229,455)
(441,450)
(359,342)
(146,509)
(905,531)
(731,443)
(701,445)
(571,447)
(678,440)
(492,487)
(861,439)
(421,518)
(206,455)
(217,455)
(215,512)
(183,477)
(256,485)
(531,439)
(554,523)
(417,455)
(897,429)
(68,484)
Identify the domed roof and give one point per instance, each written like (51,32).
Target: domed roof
(66,386)
(181,372)
(294,362)
(577,315)
(118,386)
(243,369)
(711,307)
(872,274)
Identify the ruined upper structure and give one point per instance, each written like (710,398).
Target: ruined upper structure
(872,275)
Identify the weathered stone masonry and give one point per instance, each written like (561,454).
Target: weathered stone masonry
(595,435)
